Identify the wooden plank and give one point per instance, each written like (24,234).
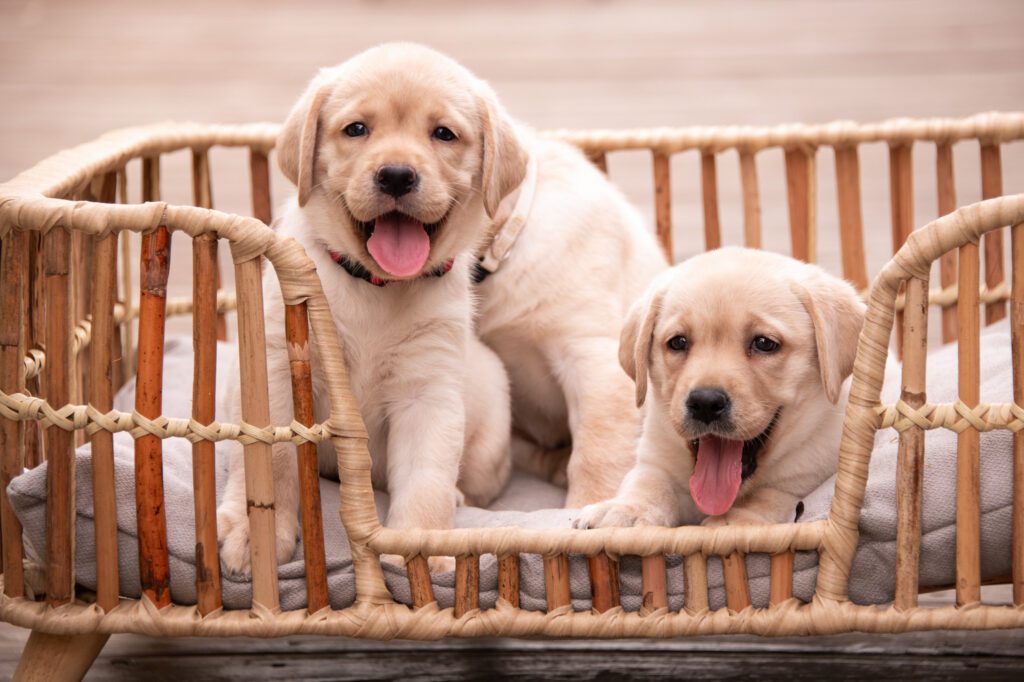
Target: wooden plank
(910,459)
(734,571)
(663,203)
(259,473)
(296,324)
(508,579)
(781,587)
(154,566)
(467,584)
(991,187)
(709,193)
(801,198)
(751,200)
(946,189)
(204,408)
(420,586)
(60,451)
(202,196)
(968,474)
(556,581)
(604,582)
(695,583)
(653,582)
(851,224)
(1017,352)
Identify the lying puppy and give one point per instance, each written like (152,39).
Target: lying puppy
(395,158)
(747,354)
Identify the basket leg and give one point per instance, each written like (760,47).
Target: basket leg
(58,657)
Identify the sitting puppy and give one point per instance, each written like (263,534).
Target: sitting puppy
(747,353)
(394,159)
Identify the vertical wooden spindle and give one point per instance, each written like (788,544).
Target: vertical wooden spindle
(663,202)
(1017,352)
(946,187)
(420,587)
(734,570)
(781,587)
(60,450)
(508,579)
(751,200)
(901,201)
(467,584)
(259,170)
(259,472)
(604,582)
(556,581)
(709,191)
(34,314)
(101,396)
(910,462)
(296,324)
(13,292)
(653,582)
(599,159)
(202,196)
(851,225)
(154,567)
(991,187)
(695,583)
(968,483)
(801,197)
(204,407)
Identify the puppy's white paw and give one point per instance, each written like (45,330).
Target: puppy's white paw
(616,514)
(233,534)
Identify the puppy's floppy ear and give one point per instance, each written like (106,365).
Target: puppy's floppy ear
(837,314)
(636,339)
(296,143)
(504,158)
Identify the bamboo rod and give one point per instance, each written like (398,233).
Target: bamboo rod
(101,396)
(259,170)
(296,324)
(60,451)
(695,583)
(556,581)
(154,567)
(653,582)
(34,315)
(910,462)
(13,292)
(467,584)
(709,191)
(781,587)
(946,187)
(1017,351)
(508,579)
(800,194)
(991,187)
(259,474)
(599,159)
(81,296)
(663,203)
(204,408)
(604,582)
(734,571)
(968,503)
(202,196)
(901,203)
(420,587)
(751,200)
(851,224)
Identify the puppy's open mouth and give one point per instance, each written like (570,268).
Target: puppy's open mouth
(399,243)
(722,466)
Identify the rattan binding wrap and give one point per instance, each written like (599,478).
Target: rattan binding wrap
(36,201)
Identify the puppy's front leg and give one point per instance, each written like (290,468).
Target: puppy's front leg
(764,505)
(649,496)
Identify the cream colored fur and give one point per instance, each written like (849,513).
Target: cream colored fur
(720,301)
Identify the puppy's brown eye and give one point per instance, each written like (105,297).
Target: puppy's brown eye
(679,343)
(357,129)
(762,344)
(443,134)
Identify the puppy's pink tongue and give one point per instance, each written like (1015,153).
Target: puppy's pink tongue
(716,478)
(399,244)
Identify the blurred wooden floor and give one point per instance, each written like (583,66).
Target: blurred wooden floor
(70,71)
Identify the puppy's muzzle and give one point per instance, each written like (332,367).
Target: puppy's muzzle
(396,179)
(707,405)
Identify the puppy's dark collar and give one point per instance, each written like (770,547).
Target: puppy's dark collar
(359,272)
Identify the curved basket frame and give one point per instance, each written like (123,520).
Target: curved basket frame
(32,202)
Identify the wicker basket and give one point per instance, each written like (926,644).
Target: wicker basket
(61,228)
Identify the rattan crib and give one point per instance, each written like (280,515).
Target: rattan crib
(61,224)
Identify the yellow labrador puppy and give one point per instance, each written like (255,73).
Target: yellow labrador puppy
(741,357)
(397,155)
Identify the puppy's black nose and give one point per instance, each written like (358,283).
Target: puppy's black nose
(707,404)
(396,180)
